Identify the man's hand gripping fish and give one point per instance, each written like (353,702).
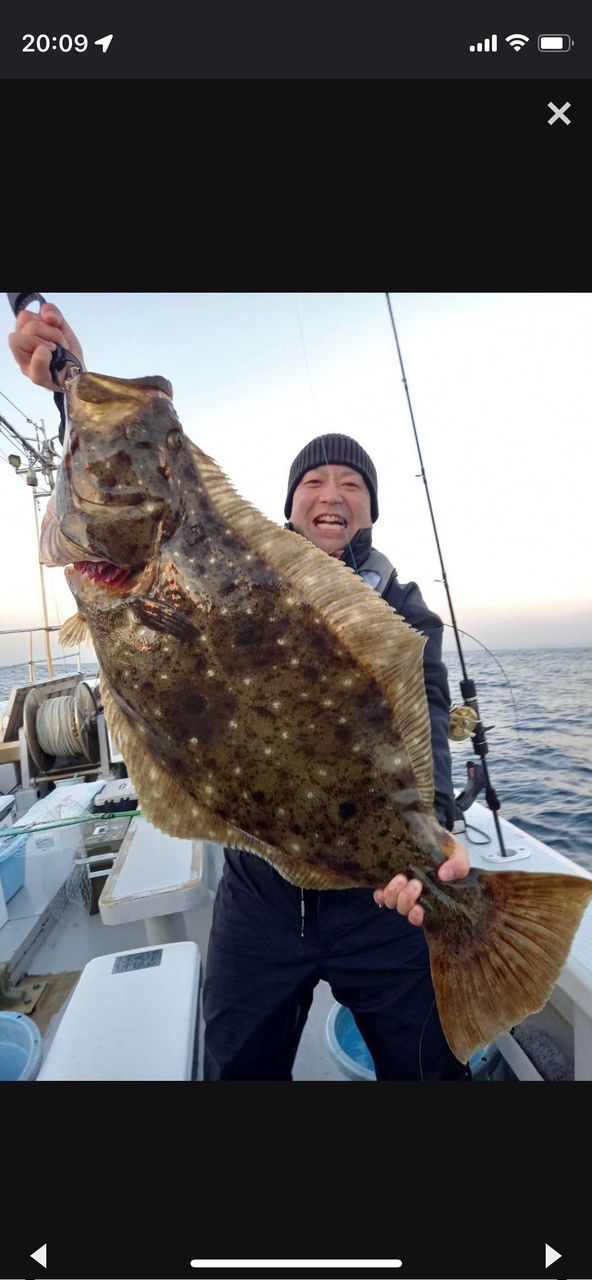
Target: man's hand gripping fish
(266,698)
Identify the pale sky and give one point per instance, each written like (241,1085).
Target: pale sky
(501,389)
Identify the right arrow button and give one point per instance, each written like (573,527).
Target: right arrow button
(551,1256)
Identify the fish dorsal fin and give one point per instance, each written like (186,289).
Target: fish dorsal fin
(167,805)
(380,641)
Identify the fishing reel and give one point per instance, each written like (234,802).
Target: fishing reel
(462,723)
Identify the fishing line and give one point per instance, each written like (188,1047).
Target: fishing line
(467,686)
(468,635)
(428,1015)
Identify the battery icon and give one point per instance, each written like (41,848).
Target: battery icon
(555,44)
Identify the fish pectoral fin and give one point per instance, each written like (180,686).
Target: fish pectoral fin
(496,959)
(75,631)
(161,617)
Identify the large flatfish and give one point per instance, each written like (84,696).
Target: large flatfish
(266,698)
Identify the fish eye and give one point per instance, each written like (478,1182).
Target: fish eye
(174,440)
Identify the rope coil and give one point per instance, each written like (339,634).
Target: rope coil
(57,729)
(60,726)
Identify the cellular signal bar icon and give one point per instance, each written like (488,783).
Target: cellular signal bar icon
(484,46)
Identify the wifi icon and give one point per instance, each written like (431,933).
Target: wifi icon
(517,42)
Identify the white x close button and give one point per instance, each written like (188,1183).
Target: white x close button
(559,113)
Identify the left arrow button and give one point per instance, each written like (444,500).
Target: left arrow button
(40,1255)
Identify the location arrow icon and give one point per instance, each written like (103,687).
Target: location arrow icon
(551,1255)
(105,41)
(40,1255)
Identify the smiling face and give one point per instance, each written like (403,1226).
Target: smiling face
(330,505)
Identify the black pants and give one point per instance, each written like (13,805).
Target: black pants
(270,945)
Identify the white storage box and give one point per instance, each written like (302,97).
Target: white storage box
(132,1016)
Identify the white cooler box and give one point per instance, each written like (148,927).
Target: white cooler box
(132,1016)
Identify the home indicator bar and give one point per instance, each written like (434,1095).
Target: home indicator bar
(297,1264)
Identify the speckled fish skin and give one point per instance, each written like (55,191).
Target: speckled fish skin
(266,698)
(228,676)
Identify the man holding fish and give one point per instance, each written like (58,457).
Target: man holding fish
(271,941)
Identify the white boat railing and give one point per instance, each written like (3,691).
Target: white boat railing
(49,659)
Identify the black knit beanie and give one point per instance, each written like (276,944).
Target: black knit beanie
(333,449)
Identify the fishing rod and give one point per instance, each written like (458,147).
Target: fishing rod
(467,686)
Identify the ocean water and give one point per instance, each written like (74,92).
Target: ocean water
(537,712)
(540,740)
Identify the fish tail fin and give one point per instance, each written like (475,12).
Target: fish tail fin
(497,955)
(74,632)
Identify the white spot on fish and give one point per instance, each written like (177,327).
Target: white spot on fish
(237,768)
(211,559)
(284,733)
(233,724)
(211,672)
(327,702)
(157,712)
(193,742)
(204,639)
(248,557)
(294,662)
(281,812)
(209,790)
(322,773)
(245,795)
(247,680)
(282,640)
(347,683)
(357,747)
(304,695)
(277,705)
(163,675)
(342,720)
(295,847)
(267,751)
(310,795)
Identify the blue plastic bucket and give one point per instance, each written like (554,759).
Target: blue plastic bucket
(21,1047)
(353,1055)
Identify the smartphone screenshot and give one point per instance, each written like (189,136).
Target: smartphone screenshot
(294,616)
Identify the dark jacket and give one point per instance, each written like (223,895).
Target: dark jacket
(408,601)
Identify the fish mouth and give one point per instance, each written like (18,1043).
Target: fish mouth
(108,581)
(103,572)
(112,498)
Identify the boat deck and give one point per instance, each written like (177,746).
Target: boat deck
(69,937)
